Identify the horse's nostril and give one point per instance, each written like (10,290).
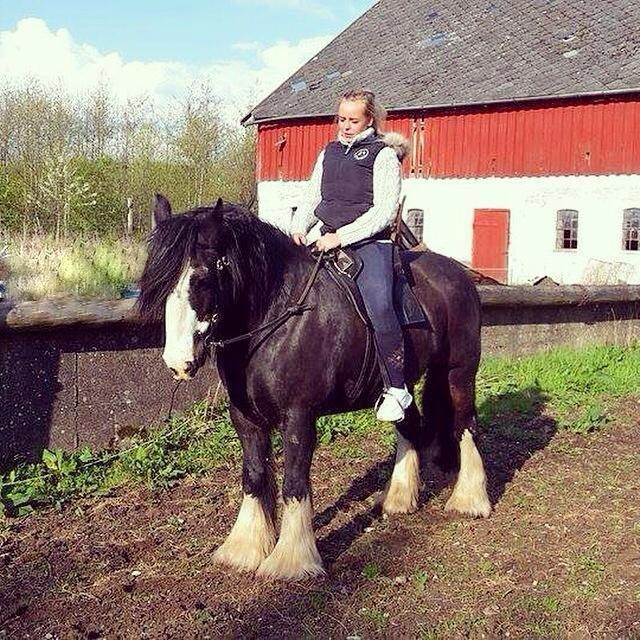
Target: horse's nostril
(175,373)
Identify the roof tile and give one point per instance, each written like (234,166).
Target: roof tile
(418,54)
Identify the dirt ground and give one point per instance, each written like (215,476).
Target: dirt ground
(559,557)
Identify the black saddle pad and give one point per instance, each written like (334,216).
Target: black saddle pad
(344,266)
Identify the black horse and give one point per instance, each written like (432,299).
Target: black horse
(220,272)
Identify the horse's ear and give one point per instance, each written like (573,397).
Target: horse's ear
(161,209)
(210,214)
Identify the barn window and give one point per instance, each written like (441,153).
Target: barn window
(631,229)
(567,229)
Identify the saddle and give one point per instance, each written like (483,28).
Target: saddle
(343,266)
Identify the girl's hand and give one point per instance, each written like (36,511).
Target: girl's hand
(327,242)
(299,238)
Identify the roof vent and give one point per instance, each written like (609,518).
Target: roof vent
(333,75)
(435,40)
(298,85)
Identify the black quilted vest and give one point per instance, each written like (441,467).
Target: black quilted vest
(347,182)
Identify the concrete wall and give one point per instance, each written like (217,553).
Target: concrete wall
(65,383)
(531,329)
(84,385)
(449,205)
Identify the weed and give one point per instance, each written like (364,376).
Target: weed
(587,572)
(371,571)
(420,579)
(317,600)
(460,624)
(331,427)
(376,616)
(550,604)
(192,443)
(349,452)
(487,567)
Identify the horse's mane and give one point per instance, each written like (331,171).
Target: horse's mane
(257,253)
(170,246)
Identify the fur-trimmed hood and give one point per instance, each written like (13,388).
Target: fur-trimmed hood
(392,139)
(398,143)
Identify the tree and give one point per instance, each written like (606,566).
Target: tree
(200,131)
(61,190)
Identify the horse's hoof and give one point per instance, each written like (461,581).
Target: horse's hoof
(476,506)
(399,500)
(292,567)
(241,560)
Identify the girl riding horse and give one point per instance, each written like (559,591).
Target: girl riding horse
(352,200)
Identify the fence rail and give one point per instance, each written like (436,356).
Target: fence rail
(62,313)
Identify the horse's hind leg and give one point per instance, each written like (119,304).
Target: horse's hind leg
(437,418)
(295,555)
(470,492)
(252,537)
(401,494)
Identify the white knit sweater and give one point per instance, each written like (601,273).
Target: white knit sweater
(386,195)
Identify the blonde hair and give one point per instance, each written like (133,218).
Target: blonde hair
(372,109)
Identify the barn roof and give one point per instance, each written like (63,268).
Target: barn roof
(439,53)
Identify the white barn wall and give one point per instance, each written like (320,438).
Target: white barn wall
(449,204)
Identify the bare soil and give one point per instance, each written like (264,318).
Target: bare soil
(559,557)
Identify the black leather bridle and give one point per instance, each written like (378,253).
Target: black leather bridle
(296,309)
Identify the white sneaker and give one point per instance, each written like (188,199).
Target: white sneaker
(392,403)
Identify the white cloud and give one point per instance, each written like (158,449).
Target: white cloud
(33,51)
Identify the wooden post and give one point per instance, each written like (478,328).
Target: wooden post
(129,216)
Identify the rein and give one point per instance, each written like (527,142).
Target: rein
(294,310)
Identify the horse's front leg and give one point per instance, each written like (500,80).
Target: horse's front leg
(252,537)
(295,555)
(401,494)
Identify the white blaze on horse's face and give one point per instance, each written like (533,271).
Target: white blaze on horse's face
(180,323)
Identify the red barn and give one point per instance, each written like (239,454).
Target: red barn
(524,118)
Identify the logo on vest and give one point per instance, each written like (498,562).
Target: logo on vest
(361,154)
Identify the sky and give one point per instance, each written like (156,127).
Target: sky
(242,49)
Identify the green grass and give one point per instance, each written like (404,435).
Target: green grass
(371,571)
(576,388)
(41,266)
(191,444)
